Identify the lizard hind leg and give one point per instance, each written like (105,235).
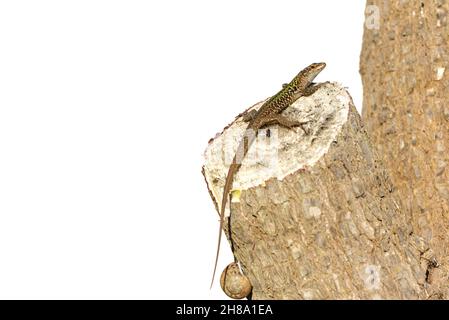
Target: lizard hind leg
(283,122)
(249,115)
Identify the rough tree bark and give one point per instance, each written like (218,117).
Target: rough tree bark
(315,216)
(406,111)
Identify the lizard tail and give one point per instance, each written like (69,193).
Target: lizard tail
(227,188)
(233,168)
(218,253)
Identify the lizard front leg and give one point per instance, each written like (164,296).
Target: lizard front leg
(312,88)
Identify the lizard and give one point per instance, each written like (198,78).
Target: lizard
(269,113)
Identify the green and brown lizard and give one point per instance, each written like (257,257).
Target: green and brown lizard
(269,113)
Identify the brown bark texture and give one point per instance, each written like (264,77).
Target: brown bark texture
(326,223)
(406,111)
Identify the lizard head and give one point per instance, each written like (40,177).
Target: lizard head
(313,70)
(305,77)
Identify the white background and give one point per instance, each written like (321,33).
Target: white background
(105,110)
